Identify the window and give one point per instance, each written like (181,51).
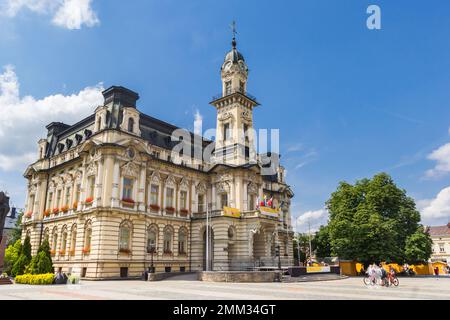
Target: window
(183,200)
(242,86)
(130,125)
(49,201)
(73,242)
(31,205)
(124,237)
(169,198)
(224,200)
(227,87)
(127,188)
(151,241)
(77,193)
(91,182)
(226,132)
(154,193)
(251,202)
(64,242)
(54,241)
(123,272)
(201,203)
(87,240)
(441,247)
(168,241)
(182,242)
(67,200)
(58,198)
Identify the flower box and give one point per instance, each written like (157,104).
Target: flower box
(125,250)
(55,211)
(72,252)
(64,209)
(52,252)
(128,200)
(184,212)
(154,207)
(170,210)
(62,252)
(88,200)
(167,251)
(75,206)
(29,215)
(86,250)
(47,213)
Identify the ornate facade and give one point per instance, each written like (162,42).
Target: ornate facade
(113,200)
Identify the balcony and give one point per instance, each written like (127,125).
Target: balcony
(244,93)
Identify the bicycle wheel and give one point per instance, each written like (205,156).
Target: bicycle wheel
(367,281)
(395,282)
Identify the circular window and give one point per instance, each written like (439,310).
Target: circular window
(131,153)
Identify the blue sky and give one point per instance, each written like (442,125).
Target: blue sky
(349,102)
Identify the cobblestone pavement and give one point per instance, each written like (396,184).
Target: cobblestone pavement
(184,287)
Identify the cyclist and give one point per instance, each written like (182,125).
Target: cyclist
(391,275)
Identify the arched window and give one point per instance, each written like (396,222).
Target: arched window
(151,240)
(54,241)
(182,241)
(73,241)
(63,242)
(87,239)
(124,237)
(168,240)
(224,200)
(130,125)
(46,235)
(251,202)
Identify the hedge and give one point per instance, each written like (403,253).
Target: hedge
(47,278)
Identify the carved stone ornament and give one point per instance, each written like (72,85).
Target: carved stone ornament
(224,177)
(91,169)
(78,175)
(130,169)
(252,188)
(170,181)
(226,116)
(201,187)
(246,116)
(155,178)
(184,184)
(223,187)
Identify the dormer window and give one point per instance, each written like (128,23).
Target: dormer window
(226,132)
(130,125)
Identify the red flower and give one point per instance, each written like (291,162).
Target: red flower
(47,213)
(154,207)
(128,200)
(55,211)
(170,209)
(89,200)
(86,250)
(184,211)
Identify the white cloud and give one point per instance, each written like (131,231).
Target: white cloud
(312,218)
(436,209)
(198,123)
(442,157)
(24,119)
(70,14)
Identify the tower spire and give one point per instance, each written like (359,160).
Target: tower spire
(233,29)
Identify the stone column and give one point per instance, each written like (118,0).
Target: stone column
(115,185)
(141,190)
(213,197)
(98,184)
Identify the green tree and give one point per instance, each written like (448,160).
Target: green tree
(24,258)
(372,220)
(12,253)
(42,261)
(418,247)
(321,242)
(16,233)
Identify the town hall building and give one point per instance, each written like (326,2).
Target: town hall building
(114,200)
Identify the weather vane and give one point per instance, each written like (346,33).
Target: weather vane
(233,28)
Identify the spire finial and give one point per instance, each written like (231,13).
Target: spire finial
(233,29)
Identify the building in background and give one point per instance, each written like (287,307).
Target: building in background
(7,224)
(441,243)
(113,200)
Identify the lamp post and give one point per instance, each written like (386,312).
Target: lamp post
(151,249)
(207,237)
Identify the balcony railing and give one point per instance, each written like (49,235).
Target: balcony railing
(230,92)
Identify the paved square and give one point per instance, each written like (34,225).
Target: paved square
(184,287)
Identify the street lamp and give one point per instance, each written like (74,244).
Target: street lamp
(151,249)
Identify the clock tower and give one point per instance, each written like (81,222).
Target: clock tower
(234,129)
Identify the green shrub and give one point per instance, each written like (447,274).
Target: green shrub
(36,279)
(74,279)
